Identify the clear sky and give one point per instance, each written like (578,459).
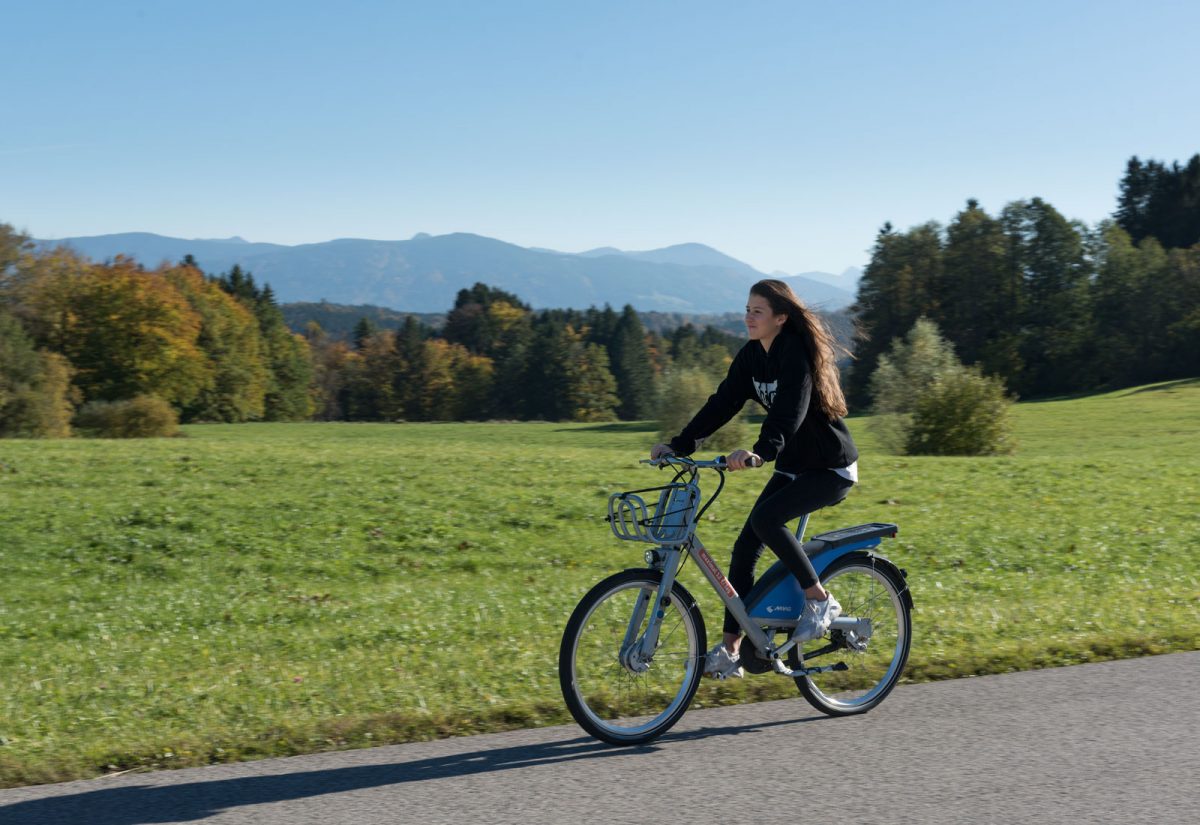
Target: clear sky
(782,133)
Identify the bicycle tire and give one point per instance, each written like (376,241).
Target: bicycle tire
(606,697)
(865,588)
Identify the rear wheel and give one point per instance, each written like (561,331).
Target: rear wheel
(615,691)
(865,589)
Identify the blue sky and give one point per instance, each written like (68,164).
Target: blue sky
(782,133)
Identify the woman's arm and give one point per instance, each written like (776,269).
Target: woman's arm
(721,406)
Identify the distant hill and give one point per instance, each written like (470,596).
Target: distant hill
(423,274)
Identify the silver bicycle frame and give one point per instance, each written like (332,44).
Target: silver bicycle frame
(668,558)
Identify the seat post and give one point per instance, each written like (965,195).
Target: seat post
(801,527)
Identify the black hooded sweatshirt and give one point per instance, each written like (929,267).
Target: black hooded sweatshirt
(796,434)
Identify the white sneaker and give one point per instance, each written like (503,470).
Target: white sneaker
(816,618)
(721,664)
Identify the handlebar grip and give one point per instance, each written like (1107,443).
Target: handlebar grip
(755,461)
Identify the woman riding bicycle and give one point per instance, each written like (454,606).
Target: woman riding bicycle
(788,367)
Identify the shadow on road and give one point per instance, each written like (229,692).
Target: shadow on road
(188,802)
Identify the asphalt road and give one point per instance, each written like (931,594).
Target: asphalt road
(1117,742)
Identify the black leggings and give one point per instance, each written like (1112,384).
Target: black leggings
(782,500)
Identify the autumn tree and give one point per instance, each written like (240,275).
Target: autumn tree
(125,331)
(229,337)
(591,391)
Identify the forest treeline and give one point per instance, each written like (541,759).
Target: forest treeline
(495,357)
(74,332)
(1047,304)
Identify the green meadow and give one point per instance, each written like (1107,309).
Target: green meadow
(260,589)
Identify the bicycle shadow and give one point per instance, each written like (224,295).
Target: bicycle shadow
(143,804)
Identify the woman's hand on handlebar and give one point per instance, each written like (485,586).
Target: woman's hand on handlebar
(659,451)
(742,460)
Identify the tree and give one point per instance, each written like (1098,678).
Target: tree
(632,367)
(13,245)
(978,295)
(1123,310)
(591,388)
(481,317)
(289,388)
(229,337)
(1161,201)
(125,331)
(368,391)
(330,360)
(35,386)
(897,287)
(363,331)
(1049,254)
(546,378)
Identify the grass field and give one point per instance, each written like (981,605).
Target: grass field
(263,589)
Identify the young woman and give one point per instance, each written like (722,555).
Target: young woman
(788,367)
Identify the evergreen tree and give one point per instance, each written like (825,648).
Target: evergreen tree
(602,326)
(547,372)
(897,287)
(363,330)
(978,293)
(591,391)
(1121,309)
(289,395)
(1050,255)
(410,366)
(1161,201)
(632,368)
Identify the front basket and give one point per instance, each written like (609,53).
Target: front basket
(672,522)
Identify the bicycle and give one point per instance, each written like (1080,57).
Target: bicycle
(633,651)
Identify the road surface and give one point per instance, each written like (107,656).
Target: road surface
(1117,742)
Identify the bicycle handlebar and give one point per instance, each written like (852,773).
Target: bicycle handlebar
(718,463)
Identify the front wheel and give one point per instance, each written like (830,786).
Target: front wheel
(869,590)
(617,691)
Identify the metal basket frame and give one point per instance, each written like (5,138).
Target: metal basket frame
(673,521)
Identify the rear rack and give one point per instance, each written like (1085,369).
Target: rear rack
(853,535)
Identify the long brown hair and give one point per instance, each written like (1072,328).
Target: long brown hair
(817,339)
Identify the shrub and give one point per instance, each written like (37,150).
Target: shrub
(145,416)
(962,413)
(927,403)
(683,394)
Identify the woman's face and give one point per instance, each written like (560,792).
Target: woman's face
(761,321)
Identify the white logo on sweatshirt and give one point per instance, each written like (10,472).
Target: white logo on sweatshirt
(766,392)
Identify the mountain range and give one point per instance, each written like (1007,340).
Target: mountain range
(424,274)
